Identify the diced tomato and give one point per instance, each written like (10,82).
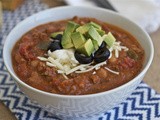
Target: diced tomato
(24,50)
(130,62)
(127,62)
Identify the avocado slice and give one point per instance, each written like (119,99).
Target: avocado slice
(109,39)
(66,38)
(83,29)
(95,25)
(71,26)
(95,36)
(87,48)
(77,39)
(95,44)
(101,32)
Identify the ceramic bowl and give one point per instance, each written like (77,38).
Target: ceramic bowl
(81,106)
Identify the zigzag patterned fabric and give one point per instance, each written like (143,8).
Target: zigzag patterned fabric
(142,104)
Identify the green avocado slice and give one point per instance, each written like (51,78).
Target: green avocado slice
(97,39)
(101,32)
(109,39)
(83,29)
(95,25)
(87,48)
(66,38)
(77,39)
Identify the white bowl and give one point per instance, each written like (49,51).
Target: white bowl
(82,106)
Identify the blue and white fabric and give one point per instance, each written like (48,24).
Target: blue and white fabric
(142,104)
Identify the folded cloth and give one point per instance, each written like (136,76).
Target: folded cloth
(142,104)
(145,13)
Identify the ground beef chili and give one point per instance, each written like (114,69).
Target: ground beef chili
(38,75)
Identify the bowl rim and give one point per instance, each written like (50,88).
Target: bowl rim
(88,95)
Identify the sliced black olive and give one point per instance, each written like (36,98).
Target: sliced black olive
(55,45)
(57,37)
(103,45)
(81,58)
(101,55)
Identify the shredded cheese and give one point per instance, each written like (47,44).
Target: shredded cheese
(57,64)
(50,64)
(117,48)
(60,71)
(42,58)
(116,53)
(111,71)
(124,48)
(65,76)
(94,73)
(76,68)
(92,67)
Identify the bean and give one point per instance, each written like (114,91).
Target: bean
(34,63)
(95,79)
(113,59)
(102,73)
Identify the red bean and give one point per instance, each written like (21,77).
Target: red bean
(102,73)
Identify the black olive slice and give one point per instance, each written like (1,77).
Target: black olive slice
(55,45)
(101,55)
(57,37)
(103,45)
(81,58)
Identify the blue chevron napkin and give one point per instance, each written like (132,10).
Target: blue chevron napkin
(142,104)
